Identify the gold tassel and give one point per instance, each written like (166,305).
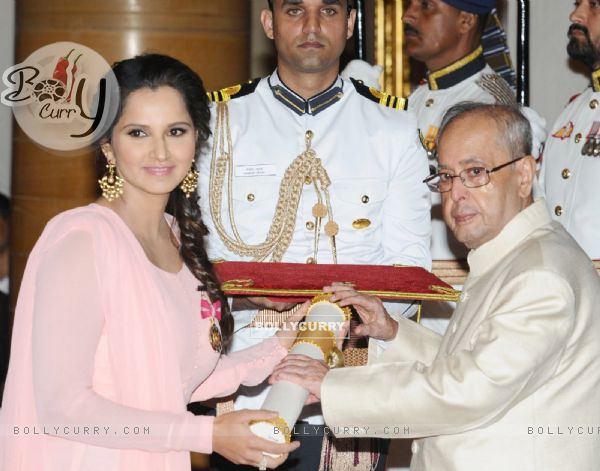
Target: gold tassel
(190,182)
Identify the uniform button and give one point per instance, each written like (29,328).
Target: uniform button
(429,102)
(558,210)
(361,223)
(310,260)
(310,225)
(414,447)
(594,104)
(566,173)
(250,197)
(309,134)
(577,138)
(365,199)
(307,181)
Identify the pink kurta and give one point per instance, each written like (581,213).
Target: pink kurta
(107,350)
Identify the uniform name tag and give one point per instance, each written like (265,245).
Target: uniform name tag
(260,170)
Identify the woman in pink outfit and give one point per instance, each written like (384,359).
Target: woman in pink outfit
(119,319)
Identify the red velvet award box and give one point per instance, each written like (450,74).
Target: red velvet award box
(299,281)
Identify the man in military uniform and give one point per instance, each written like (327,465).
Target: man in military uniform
(571,164)
(446,36)
(307,167)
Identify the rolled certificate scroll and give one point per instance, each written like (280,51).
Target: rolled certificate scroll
(317,339)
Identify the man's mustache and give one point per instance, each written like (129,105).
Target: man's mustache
(312,38)
(411,29)
(578,27)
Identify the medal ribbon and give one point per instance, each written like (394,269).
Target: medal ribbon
(594,130)
(208,309)
(592,144)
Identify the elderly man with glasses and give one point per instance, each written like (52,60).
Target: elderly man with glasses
(513,383)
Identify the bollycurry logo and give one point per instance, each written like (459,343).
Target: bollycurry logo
(64,96)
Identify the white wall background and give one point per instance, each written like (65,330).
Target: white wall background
(551,80)
(7,34)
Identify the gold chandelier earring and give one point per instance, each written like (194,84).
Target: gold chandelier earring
(190,182)
(111,184)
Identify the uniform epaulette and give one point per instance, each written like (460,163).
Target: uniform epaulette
(499,88)
(384,99)
(236,91)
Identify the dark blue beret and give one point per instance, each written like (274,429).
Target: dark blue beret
(473,6)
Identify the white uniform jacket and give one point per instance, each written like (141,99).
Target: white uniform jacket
(514,384)
(571,170)
(372,155)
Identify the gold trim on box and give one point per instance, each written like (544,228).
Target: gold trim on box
(444,290)
(239,283)
(280,424)
(314,292)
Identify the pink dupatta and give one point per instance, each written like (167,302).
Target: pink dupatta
(147,375)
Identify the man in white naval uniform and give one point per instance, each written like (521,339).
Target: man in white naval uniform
(513,383)
(446,36)
(571,164)
(358,199)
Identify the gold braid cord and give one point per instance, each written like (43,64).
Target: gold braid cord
(304,167)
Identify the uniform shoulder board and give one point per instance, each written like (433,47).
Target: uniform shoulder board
(498,88)
(236,91)
(384,99)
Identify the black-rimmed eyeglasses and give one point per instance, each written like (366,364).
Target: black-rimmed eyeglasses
(472,177)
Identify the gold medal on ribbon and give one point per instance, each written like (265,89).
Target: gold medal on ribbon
(214,334)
